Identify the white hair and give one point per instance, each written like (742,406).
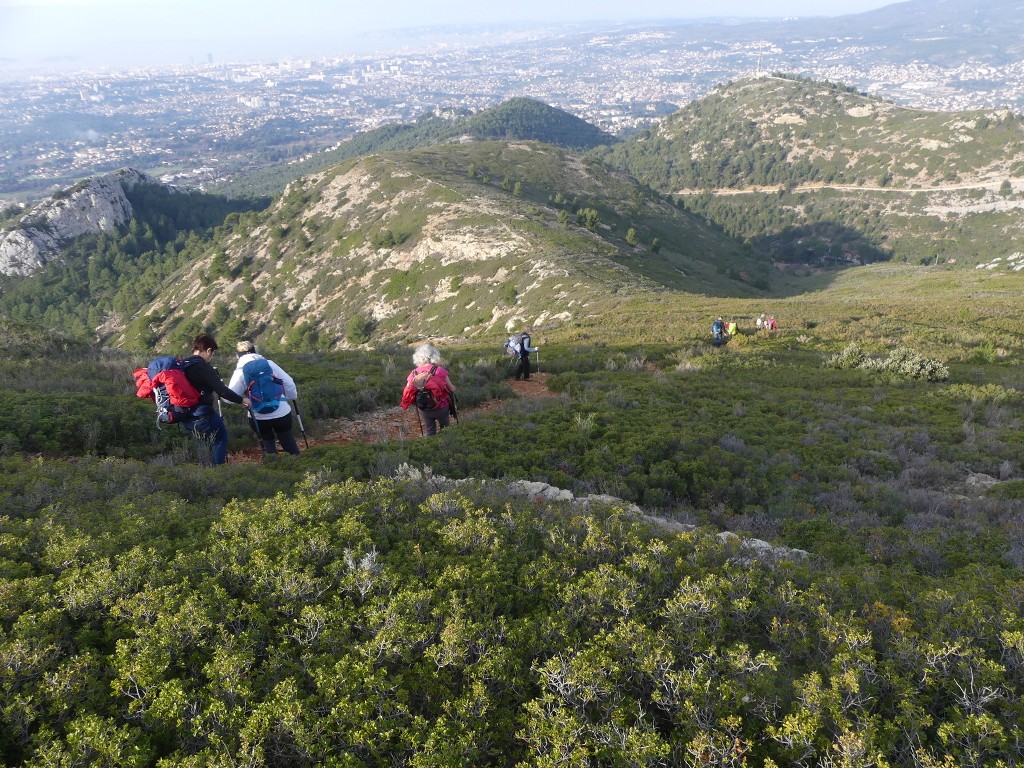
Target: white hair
(426,354)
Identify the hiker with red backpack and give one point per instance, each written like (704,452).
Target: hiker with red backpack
(185,392)
(269,388)
(205,421)
(429,389)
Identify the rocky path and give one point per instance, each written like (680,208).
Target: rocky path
(394,423)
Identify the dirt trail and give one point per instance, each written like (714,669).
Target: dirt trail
(394,423)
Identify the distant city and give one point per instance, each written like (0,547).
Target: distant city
(207,123)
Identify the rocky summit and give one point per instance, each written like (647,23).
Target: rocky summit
(93,206)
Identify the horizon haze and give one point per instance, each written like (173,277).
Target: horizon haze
(72,35)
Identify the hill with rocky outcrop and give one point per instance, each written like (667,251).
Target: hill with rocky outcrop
(446,241)
(740,195)
(92,206)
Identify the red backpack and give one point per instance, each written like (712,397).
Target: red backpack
(164,381)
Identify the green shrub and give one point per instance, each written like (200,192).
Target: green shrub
(357,330)
(902,363)
(852,356)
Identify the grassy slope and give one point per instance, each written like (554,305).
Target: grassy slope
(938,311)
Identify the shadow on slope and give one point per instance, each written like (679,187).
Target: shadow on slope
(820,244)
(810,256)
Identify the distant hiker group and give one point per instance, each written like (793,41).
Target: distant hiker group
(722,330)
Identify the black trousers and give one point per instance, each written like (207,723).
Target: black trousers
(523,371)
(274,430)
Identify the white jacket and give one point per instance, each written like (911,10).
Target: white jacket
(237,385)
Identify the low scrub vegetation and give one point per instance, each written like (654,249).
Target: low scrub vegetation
(342,608)
(902,363)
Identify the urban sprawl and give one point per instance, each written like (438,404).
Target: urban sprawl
(202,124)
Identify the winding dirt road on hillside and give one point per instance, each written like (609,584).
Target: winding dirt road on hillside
(394,423)
(1003,204)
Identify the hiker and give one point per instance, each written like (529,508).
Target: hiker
(522,347)
(272,423)
(428,388)
(204,422)
(731,328)
(761,320)
(718,332)
(770,324)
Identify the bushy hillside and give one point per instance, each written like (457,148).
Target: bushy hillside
(814,172)
(342,607)
(451,241)
(778,131)
(824,568)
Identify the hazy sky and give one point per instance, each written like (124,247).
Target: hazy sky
(74,33)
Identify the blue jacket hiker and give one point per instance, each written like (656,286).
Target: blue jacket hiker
(718,332)
(273,420)
(205,423)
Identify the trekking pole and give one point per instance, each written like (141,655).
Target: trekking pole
(298,418)
(252,427)
(538,359)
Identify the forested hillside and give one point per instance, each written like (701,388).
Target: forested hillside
(517,118)
(817,173)
(783,131)
(101,281)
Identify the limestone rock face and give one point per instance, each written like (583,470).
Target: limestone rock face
(90,207)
